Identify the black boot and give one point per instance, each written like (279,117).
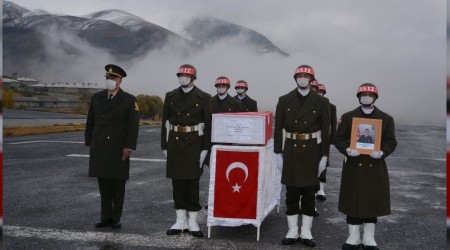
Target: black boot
(350,247)
(103,223)
(289,241)
(308,243)
(370,247)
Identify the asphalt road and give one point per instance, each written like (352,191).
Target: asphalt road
(50,203)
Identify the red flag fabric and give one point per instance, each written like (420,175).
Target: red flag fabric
(236,184)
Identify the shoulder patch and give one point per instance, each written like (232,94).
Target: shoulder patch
(136,106)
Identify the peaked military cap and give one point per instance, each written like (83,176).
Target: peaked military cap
(112,69)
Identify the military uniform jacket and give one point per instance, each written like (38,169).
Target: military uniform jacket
(301,157)
(365,182)
(111,127)
(248,104)
(333,123)
(183,149)
(228,104)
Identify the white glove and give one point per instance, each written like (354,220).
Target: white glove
(322,164)
(376,154)
(280,161)
(165,152)
(202,157)
(352,152)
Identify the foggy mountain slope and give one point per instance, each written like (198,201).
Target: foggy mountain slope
(12,11)
(26,34)
(208,30)
(148,35)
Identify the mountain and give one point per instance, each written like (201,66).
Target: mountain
(208,30)
(27,35)
(35,41)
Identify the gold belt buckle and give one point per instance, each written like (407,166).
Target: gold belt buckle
(182,129)
(298,136)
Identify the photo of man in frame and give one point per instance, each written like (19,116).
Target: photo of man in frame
(365,140)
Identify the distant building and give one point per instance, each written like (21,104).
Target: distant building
(48,95)
(75,88)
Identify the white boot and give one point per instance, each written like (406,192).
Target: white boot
(305,233)
(180,225)
(321,190)
(320,195)
(354,237)
(194,229)
(306,227)
(292,234)
(369,234)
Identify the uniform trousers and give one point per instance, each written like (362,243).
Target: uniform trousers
(359,221)
(112,194)
(186,194)
(307,195)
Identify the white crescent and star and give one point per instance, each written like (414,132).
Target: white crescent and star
(235,165)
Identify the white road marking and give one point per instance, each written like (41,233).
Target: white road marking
(44,141)
(132,158)
(158,239)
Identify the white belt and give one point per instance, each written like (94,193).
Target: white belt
(303,136)
(184,129)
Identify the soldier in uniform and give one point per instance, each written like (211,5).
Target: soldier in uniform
(305,117)
(365,138)
(222,102)
(321,90)
(248,104)
(111,132)
(364,193)
(185,140)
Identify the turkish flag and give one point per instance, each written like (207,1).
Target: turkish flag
(236,184)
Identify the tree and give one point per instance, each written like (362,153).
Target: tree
(8,98)
(150,106)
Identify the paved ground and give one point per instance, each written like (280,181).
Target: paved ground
(50,203)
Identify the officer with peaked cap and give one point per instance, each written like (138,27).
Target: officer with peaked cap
(364,194)
(112,127)
(185,141)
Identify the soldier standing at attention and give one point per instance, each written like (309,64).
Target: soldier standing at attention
(305,117)
(364,193)
(321,90)
(112,128)
(185,141)
(223,102)
(248,104)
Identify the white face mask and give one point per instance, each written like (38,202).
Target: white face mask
(221,90)
(366,100)
(184,81)
(302,82)
(240,91)
(110,84)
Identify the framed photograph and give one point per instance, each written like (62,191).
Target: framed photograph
(366,135)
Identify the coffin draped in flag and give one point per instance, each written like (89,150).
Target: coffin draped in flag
(244,184)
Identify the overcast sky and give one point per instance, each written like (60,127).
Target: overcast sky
(400,46)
